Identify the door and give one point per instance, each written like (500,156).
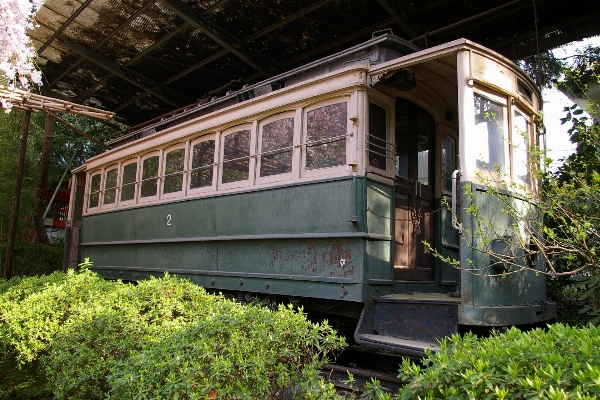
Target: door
(415,158)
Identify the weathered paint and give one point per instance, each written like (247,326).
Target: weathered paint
(299,233)
(489,297)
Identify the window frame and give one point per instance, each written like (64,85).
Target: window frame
(390,145)
(215,164)
(528,118)
(162,171)
(105,172)
(265,121)
(251,154)
(135,183)
(147,199)
(88,190)
(454,142)
(304,172)
(504,101)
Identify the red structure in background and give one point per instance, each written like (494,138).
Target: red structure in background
(57,215)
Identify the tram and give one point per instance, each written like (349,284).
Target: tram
(323,186)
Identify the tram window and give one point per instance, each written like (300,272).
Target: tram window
(276,143)
(489,126)
(203,158)
(129,177)
(326,136)
(423,146)
(174,171)
(520,143)
(376,139)
(236,156)
(94,191)
(447,163)
(110,186)
(149,177)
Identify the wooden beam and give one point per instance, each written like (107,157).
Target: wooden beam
(401,18)
(76,130)
(118,70)
(219,35)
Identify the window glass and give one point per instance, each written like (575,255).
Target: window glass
(377,136)
(447,163)
(276,147)
(489,126)
(149,176)
(326,136)
(520,142)
(203,158)
(95,191)
(236,156)
(174,171)
(423,146)
(110,186)
(129,176)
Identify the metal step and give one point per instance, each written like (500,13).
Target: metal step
(408,324)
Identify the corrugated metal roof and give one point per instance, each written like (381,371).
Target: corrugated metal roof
(143,58)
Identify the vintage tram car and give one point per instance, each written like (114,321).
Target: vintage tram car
(322,185)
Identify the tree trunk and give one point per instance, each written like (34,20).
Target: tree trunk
(14,218)
(40,200)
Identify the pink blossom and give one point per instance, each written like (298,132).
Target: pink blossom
(17,54)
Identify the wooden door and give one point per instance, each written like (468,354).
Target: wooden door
(415,158)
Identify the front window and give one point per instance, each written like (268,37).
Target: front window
(326,129)
(520,143)
(376,139)
(490,134)
(448,165)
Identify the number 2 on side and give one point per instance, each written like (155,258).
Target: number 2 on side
(168,219)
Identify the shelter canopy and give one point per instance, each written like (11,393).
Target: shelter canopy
(144,58)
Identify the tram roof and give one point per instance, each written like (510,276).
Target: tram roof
(144,58)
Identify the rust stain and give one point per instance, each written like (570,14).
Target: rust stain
(310,253)
(340,257)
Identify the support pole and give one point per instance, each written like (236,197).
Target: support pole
(14,218)
(42,186)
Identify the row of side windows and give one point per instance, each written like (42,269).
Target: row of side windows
(266,147)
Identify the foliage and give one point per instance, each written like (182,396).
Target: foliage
(65,144)
(557,363)
(544,69)
(162,338)
(17,54)
(584,71)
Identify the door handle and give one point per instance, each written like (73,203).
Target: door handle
(454,200)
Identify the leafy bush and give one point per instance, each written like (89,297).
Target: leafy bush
(558,363)
(12,293)
(162,338)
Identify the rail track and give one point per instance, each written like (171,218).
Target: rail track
(364,365)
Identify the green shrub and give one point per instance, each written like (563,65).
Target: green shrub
(234,352)
(168,337)
(30,324)
(558,363)
(12,293)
